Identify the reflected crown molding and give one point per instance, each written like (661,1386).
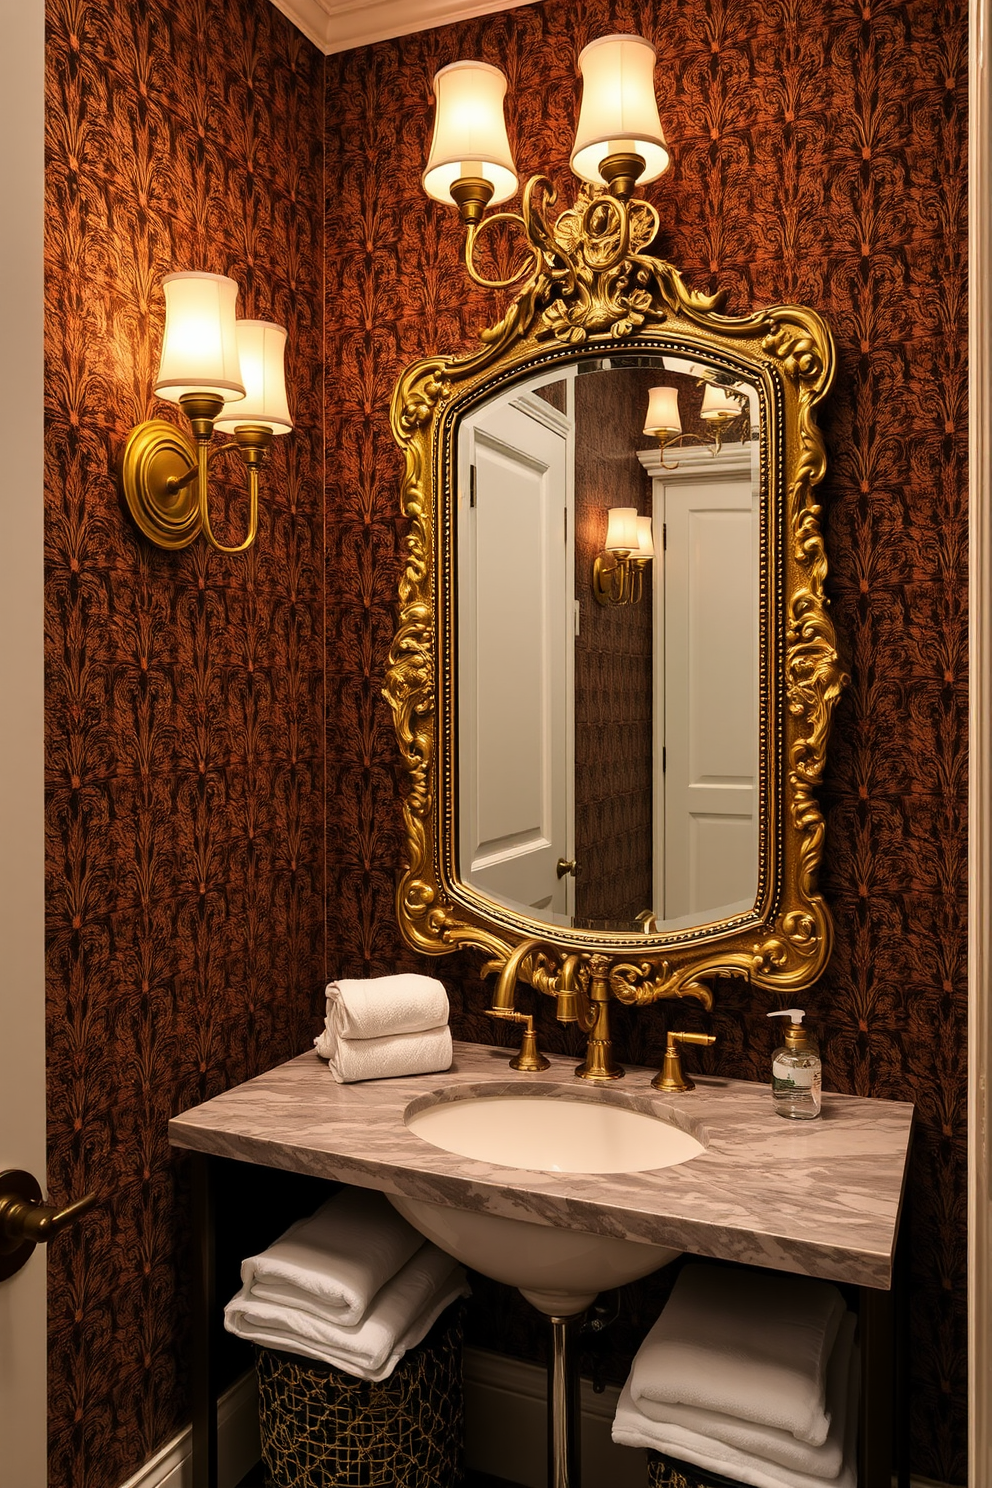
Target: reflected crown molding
(339,25)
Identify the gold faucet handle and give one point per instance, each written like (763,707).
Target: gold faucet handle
(530,1059)
(670,1077)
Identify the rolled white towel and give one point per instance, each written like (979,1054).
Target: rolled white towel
(400,1316)
(749,1344)
(633,1429)
(335,1262)
(350,1060)
(765,1442)
(380,1006)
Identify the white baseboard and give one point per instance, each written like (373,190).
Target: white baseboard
(237,1444)
(505,1432)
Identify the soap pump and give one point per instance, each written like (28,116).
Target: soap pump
(796,1070)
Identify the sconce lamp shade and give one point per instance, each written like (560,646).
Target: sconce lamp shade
(663,412)
(718,405)
(621,530)
(469,132)
(261,352)
(199,346)
(619,112)
(645,539)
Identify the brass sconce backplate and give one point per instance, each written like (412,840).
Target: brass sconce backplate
(156,458)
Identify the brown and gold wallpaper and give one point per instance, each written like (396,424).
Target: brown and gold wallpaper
(220,763)
(184,691)
(818,156)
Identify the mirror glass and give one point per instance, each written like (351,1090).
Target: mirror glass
(607,747)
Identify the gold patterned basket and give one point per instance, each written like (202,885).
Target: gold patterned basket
(321,1428)
(669,1472)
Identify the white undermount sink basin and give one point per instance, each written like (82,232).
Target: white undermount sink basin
(553,1136)
(559,1271)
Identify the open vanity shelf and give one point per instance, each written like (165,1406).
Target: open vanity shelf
(822,1198)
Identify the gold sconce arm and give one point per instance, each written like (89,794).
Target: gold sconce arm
(471,199)
(165,481)
(678,440)
(618,579)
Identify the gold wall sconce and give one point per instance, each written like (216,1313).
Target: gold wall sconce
(618,142)
(227,375)
(618,572)
(719,410)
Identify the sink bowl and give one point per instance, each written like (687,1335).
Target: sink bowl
(553,1136)
(560,1272)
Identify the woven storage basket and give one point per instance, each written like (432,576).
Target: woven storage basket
(668,1472)
(324,1429)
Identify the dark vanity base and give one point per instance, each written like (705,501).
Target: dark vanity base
(881,1383)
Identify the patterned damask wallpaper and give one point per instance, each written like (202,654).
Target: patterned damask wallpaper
(184,691)
(818,156)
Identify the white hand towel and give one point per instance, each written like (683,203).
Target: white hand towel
(380,1006)
(632,1429)
(401,1315)
(385,1058)
(751,1344)
(765,1442)
(336,1261)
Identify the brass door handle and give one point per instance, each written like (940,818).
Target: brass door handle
(26,1222)
(566,865)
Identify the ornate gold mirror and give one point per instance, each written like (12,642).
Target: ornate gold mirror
(615,671)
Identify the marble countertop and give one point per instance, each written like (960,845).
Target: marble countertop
(817,1197)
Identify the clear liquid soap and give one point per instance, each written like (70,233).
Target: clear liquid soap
(796,1071)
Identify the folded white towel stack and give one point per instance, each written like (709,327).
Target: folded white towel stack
(748,1374)
(354,1286)
(335,1262)
(385,1026)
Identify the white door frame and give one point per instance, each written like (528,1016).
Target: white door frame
(23,1342)
(980,748)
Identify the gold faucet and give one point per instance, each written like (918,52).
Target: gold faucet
(670,1077)
(593,1017)
(530,1059)
(581,987)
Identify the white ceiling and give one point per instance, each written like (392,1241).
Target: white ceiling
(338,25)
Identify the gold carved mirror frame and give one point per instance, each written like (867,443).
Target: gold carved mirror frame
(593,286)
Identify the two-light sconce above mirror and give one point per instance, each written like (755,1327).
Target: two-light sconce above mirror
(227,375)
(720,408)
(619,141)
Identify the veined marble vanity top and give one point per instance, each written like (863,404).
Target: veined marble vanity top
(818,1197)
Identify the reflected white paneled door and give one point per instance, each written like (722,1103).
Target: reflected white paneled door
(514,699)
(711,686)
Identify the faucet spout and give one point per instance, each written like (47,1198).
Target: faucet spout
(504,995)
(572,1002)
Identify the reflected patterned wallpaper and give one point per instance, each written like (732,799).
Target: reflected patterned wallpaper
(819,154)
(184,695)
(614,681)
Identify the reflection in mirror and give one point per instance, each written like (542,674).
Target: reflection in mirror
(607,700)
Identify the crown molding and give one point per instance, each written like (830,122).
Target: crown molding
(339,25)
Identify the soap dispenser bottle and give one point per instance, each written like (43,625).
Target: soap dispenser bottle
(796,1070)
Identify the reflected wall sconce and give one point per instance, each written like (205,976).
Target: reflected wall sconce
(618,572)
(618,142)
(227,375)
(719,410)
